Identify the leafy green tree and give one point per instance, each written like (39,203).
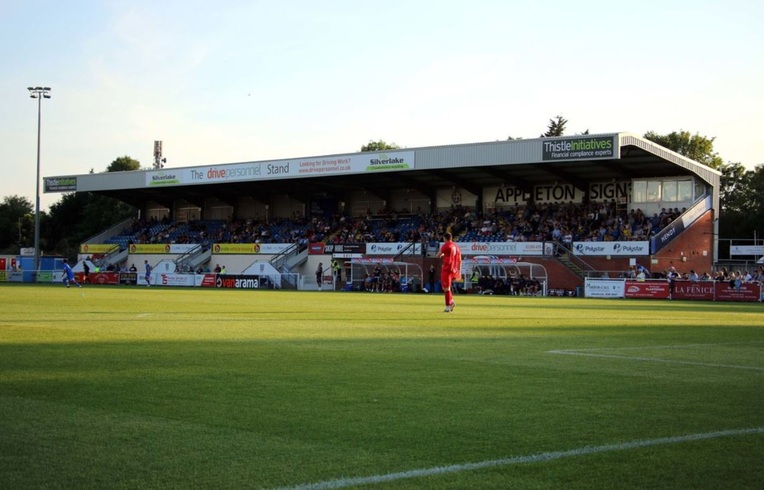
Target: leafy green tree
(379,146)
(123,164)
(735,190)
(692,146)
(743,210)
(556,127)
(16,224)
(79,216)
(740,193)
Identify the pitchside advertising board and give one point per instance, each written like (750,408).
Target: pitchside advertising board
(683,290)
(749,250)
(221,281)
(517,249)
(241,282)
(391,249)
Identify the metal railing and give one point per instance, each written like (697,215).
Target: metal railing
(183,261)
(579,265)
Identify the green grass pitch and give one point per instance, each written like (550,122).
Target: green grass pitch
(128,387)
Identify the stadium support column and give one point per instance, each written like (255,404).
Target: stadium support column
(38,93)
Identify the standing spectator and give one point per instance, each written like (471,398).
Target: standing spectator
(148,272)
(474,279)
(337,273)
(431,279)
(376,278)
(672,275)
(69,274)
(452,268)
(85,272)
(319,274)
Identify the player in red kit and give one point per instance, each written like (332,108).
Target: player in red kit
(452,268)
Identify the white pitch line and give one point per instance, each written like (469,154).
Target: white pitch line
(676,346)
(653,359)
(535,458)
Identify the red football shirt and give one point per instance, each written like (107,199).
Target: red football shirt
(452,257)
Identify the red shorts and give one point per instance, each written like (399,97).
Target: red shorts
(446,278)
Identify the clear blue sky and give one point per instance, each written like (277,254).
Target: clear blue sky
(233,81)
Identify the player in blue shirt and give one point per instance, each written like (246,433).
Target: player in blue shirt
(148,272)
(69,275)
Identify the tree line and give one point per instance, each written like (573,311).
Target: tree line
(78,216)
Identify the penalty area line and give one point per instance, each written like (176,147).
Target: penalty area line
(652,359)
(534,458)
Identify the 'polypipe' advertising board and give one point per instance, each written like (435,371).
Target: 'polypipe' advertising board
(584,148)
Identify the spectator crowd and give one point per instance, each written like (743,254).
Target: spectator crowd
(563,223)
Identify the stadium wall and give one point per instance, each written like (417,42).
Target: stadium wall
(691,249)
